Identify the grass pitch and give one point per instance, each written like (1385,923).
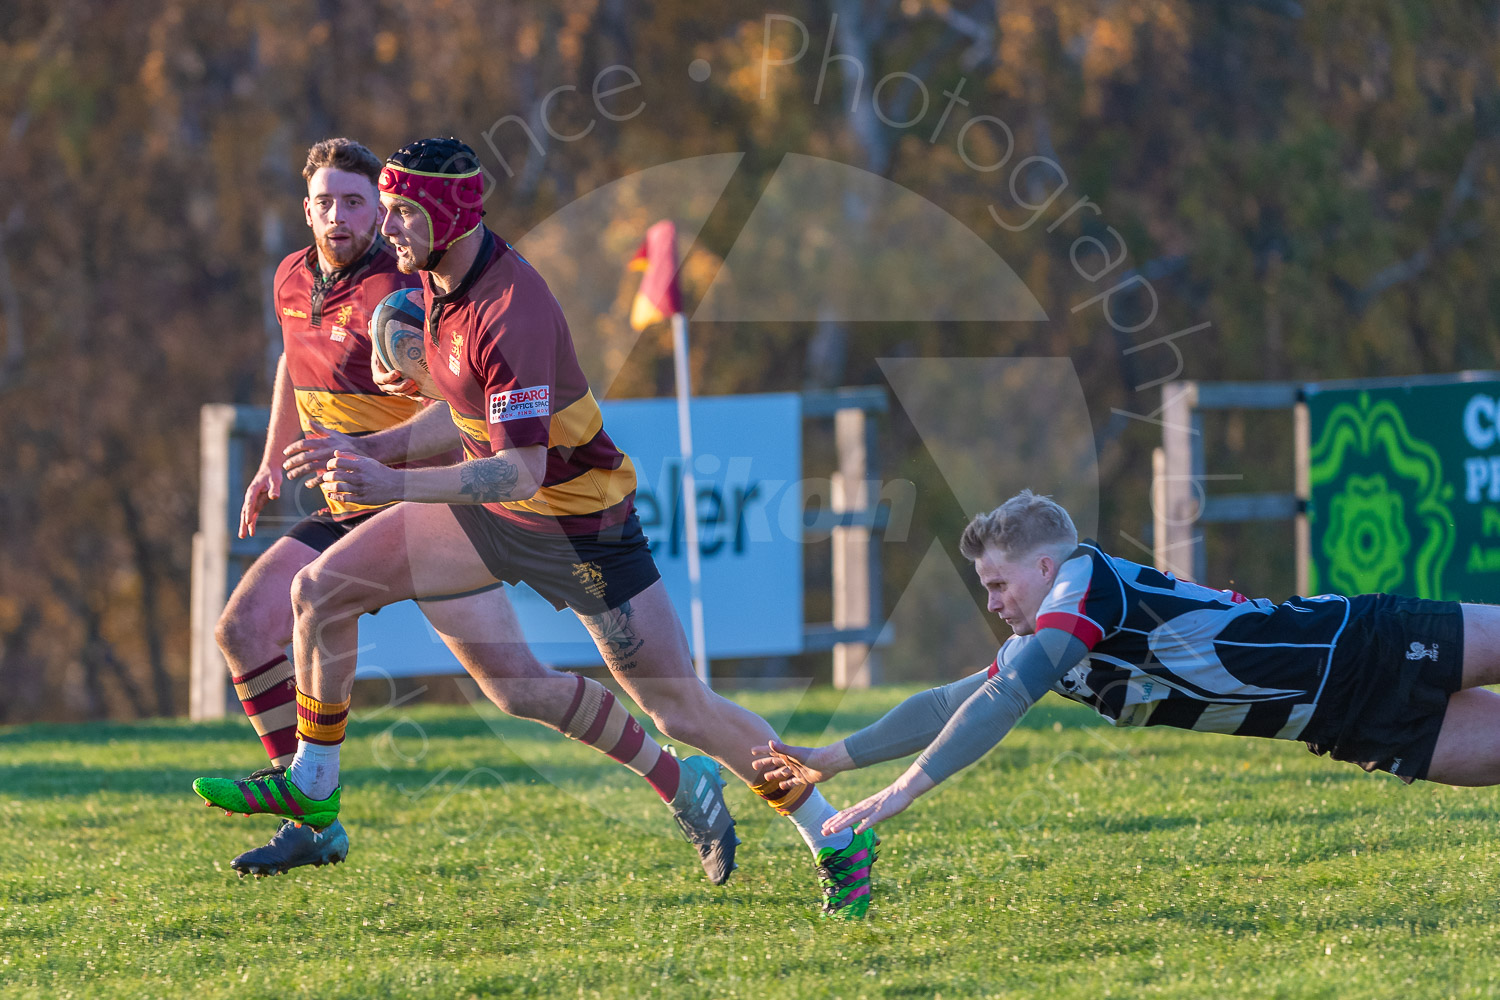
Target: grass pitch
(494,858)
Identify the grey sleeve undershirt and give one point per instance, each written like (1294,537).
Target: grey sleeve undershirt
(991,711)
(911,725)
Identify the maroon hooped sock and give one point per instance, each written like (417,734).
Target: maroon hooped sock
(269,694)
(597,718)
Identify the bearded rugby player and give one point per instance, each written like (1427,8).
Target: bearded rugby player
(326,401)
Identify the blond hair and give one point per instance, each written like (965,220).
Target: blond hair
(1021,525)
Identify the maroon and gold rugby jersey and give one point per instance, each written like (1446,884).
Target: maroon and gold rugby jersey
(501,354)
(325,333)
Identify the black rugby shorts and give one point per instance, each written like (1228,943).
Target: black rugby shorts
(591,574)
(1393,669)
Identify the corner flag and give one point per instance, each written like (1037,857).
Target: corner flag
(659,297)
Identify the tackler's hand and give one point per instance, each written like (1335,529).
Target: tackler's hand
(789,765)
(864,814)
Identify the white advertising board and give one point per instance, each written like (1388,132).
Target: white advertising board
(748,470)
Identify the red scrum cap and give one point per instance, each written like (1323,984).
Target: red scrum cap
(442,178)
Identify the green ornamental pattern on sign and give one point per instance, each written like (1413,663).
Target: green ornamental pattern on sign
(1367,543)
(1380,510)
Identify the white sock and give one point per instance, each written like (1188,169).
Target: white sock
(809,819)
(315,769)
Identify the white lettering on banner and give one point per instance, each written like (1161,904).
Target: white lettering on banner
(748,457)
(1481,424)
(515,404)
(1480,435)
(1482,479)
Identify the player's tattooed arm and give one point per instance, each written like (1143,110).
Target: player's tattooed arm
(616,637)
(489,480)
(511,474)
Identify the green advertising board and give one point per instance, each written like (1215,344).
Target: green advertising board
(1405,490)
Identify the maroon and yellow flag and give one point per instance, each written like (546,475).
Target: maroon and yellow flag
(659,296)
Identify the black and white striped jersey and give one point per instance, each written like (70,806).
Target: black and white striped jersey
(1166,652)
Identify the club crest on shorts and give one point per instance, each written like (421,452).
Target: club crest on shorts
(1417,651)
(591,577)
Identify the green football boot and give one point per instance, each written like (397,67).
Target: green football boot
(845,876)
(271,795)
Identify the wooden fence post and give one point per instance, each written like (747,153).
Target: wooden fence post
(856,590)
(1182,488)
(1302,486)
(209,677)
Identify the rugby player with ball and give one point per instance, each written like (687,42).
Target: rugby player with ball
(325,401)
(543,496)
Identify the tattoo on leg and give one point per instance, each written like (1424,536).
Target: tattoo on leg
(489,480)
(616,637)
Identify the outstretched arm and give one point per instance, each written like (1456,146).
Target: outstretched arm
(905,729)
(913,724)
(980,723)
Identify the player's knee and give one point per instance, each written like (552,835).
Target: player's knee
(324,594)
(305,592)
(239,628)
(229,631)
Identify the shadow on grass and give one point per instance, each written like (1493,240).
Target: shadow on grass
(48,780)
(1146,824)
(103,733)
(448,723)
(1276,916)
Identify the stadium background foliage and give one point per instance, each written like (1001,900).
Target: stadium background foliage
(1318,183)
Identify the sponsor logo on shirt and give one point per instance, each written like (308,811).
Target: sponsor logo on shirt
(516,404)
(289,311)
(1417,651)
(338,333)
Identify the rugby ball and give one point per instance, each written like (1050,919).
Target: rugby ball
(398,336)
